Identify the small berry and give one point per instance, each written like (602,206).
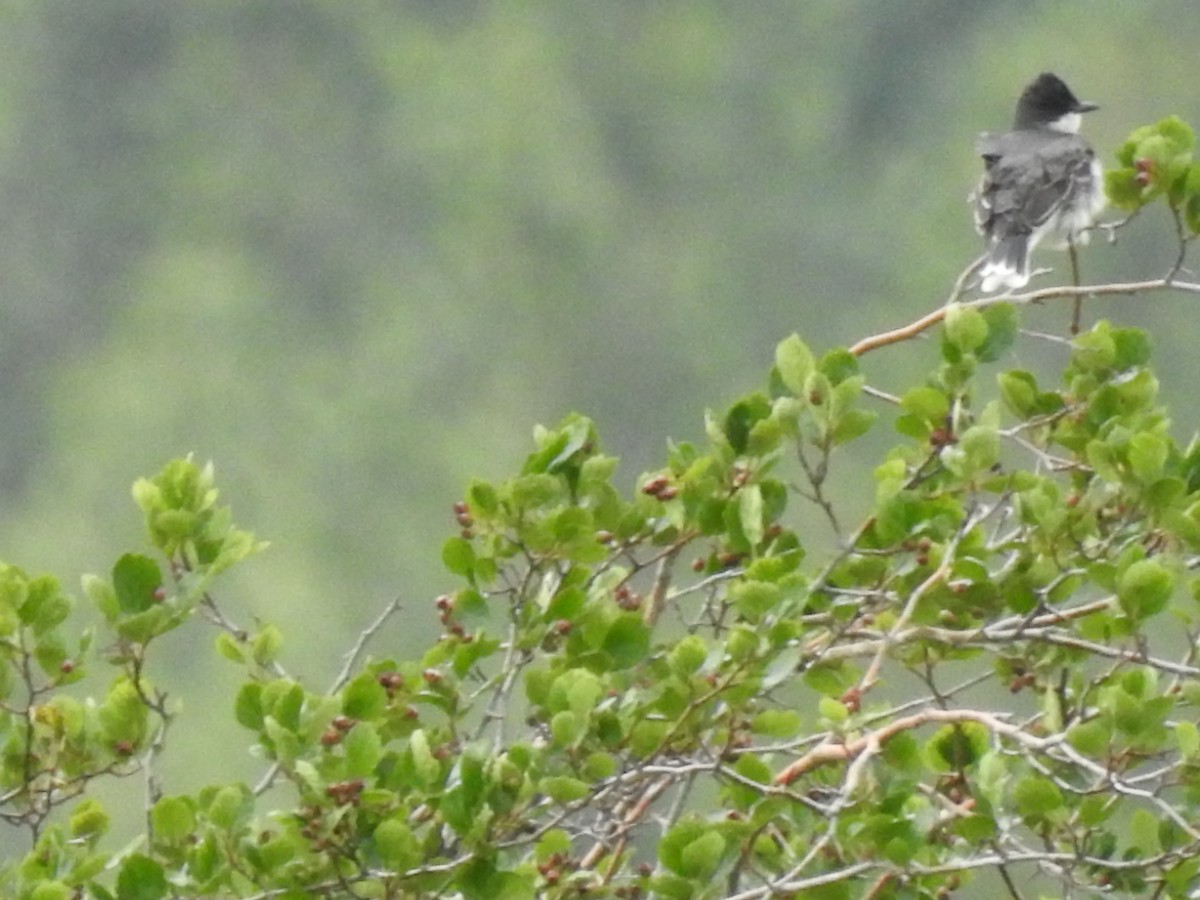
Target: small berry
(460,507)
(342,723)
(698,564)
(852,699)
(331,738)
(160,594)
(67,666)
(432,676)
(655,485)
(563,626)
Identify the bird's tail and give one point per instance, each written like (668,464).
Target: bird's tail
(1007,264)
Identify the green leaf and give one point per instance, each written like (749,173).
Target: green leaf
(958,746)
(1036,796)
(141,878)
(102,595)
(838,364)
(397,846)
(1143,833)
(226,806)
(51,890)
(833,710)
(364,697)
(227,646)
(483,499)
(563,789)
(136,578)
(458,556)
(265,645)
(425,764)
(1091,738)
(688,655)
(599,766)
(1144,589)
(88,820)
(794,361)
(750,513)
(646,737)
(754,599)
(627,641)
(577,690)
(1122,188)
(566,728)
(776,723)
(966,328)
(1187,736)
(1002,323)
(364,749)
(173,818)
(1147,456)
(742,417)
(248,708)
(1019,391)
(701,857)
(853,423)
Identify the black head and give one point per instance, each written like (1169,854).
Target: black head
(1046,101)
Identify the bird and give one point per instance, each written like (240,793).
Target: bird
(1040,179)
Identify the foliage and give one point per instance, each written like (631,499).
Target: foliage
(994,674)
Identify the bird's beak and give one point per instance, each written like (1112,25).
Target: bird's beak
(1086,106)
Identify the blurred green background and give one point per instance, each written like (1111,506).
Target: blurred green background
(354,251)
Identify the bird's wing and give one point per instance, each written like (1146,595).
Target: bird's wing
(1023,187)
(1065,167)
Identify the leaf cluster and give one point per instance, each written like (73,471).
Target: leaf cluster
(666,691)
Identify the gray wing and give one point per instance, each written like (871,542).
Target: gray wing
(1027,179)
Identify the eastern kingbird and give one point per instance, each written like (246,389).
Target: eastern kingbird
(1040,179)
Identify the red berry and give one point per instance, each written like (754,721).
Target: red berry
(331,737)
(432,676)
(563,626)
(655,485)
(460,507)
(66,666)
(160,594)
(123,748)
